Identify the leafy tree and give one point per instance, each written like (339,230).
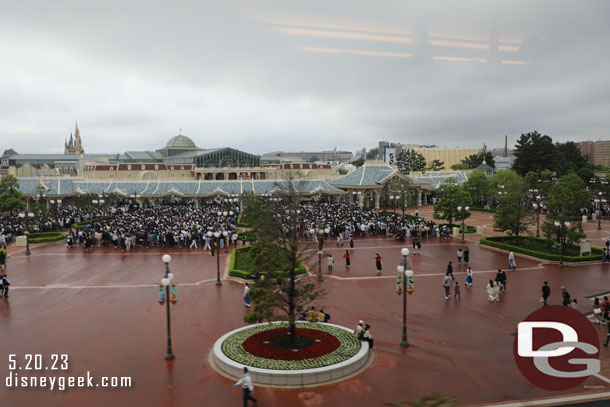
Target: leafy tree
(410,160)
(474,160)
(372,153)
(359,162)
(566,198)
(534,152)
(513,213)
(276,252)
(436,165)
(569,158)
(478,187)
(586,174)
(460,166)
(451,196)
(10,196)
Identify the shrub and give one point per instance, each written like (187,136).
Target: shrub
(46,237)
(250,235)
(83,224)
(241,265)
(540,248)
(469,229)
(482,209)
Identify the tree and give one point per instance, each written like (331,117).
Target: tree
(478,187)
(534,152)
(359,162)
(10,196)
(569,158)
(372,153)
(410,160)
(436,165)
(513,213)
(474,160)
(451,196)
(460,166)
(566,198)
(276,252)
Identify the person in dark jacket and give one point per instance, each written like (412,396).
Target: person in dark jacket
(450,270)
(501,279)
(565,296)
(546,292)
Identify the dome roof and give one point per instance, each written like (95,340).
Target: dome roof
(180,141)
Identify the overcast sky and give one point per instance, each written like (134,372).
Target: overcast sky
(286,75)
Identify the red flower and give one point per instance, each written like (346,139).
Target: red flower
(261,345)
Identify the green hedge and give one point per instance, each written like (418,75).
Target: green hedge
(503,242)
(250,235)
(46,237)
(82,225)
(469,229)
(417,218)
(481,209)
(240,223)
(246,275)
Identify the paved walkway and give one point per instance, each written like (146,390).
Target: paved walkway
(100,308)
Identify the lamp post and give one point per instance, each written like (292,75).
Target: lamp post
(404,269)
(599,212)
(165,281)
(537,207)
(403,196)
(463,210)
(217,236)
(562,235)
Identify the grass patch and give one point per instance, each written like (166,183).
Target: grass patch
(83,224)
(541,248)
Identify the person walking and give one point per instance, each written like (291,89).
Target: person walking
(3,257)
(378,263)
(5,284)
(460,253)
(546,292)
(565,296)
(418,246)
(351,241)
(456,291)
(605,308)
(468,282)
(512,265)
(450,269)
(246,296)
(491,292)
(346,257)
(248,389)
(330,263)
(466,256)
(366,335)
(497,288)
(608,335)
(447,285)
(501,280)
(243,240)
(207,243)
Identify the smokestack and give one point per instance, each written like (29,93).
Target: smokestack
(506,145)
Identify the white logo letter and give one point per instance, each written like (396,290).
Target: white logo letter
(525,332)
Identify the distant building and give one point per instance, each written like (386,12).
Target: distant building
(309,156)
(74,145)
(597,151)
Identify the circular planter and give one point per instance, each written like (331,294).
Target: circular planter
(334,353)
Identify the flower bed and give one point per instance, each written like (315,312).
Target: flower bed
(248,347)
(262,344)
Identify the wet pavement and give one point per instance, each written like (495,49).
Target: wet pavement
(100,308)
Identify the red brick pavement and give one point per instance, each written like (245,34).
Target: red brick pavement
(100,308)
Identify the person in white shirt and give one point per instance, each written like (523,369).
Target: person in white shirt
(246,296)
(246,384)
(512,265)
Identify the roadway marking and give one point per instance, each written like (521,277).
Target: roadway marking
(425,275)
(552,401)
(78,287)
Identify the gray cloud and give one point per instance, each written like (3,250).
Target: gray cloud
(277,75)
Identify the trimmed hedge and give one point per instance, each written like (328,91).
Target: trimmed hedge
(46,237)
(82,225)
(250,235)
(481,209)
(469,229)
(500,242)
(246,275)
(417,218)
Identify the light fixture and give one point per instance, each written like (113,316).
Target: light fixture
(166,258)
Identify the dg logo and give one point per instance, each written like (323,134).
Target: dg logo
(556,348)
